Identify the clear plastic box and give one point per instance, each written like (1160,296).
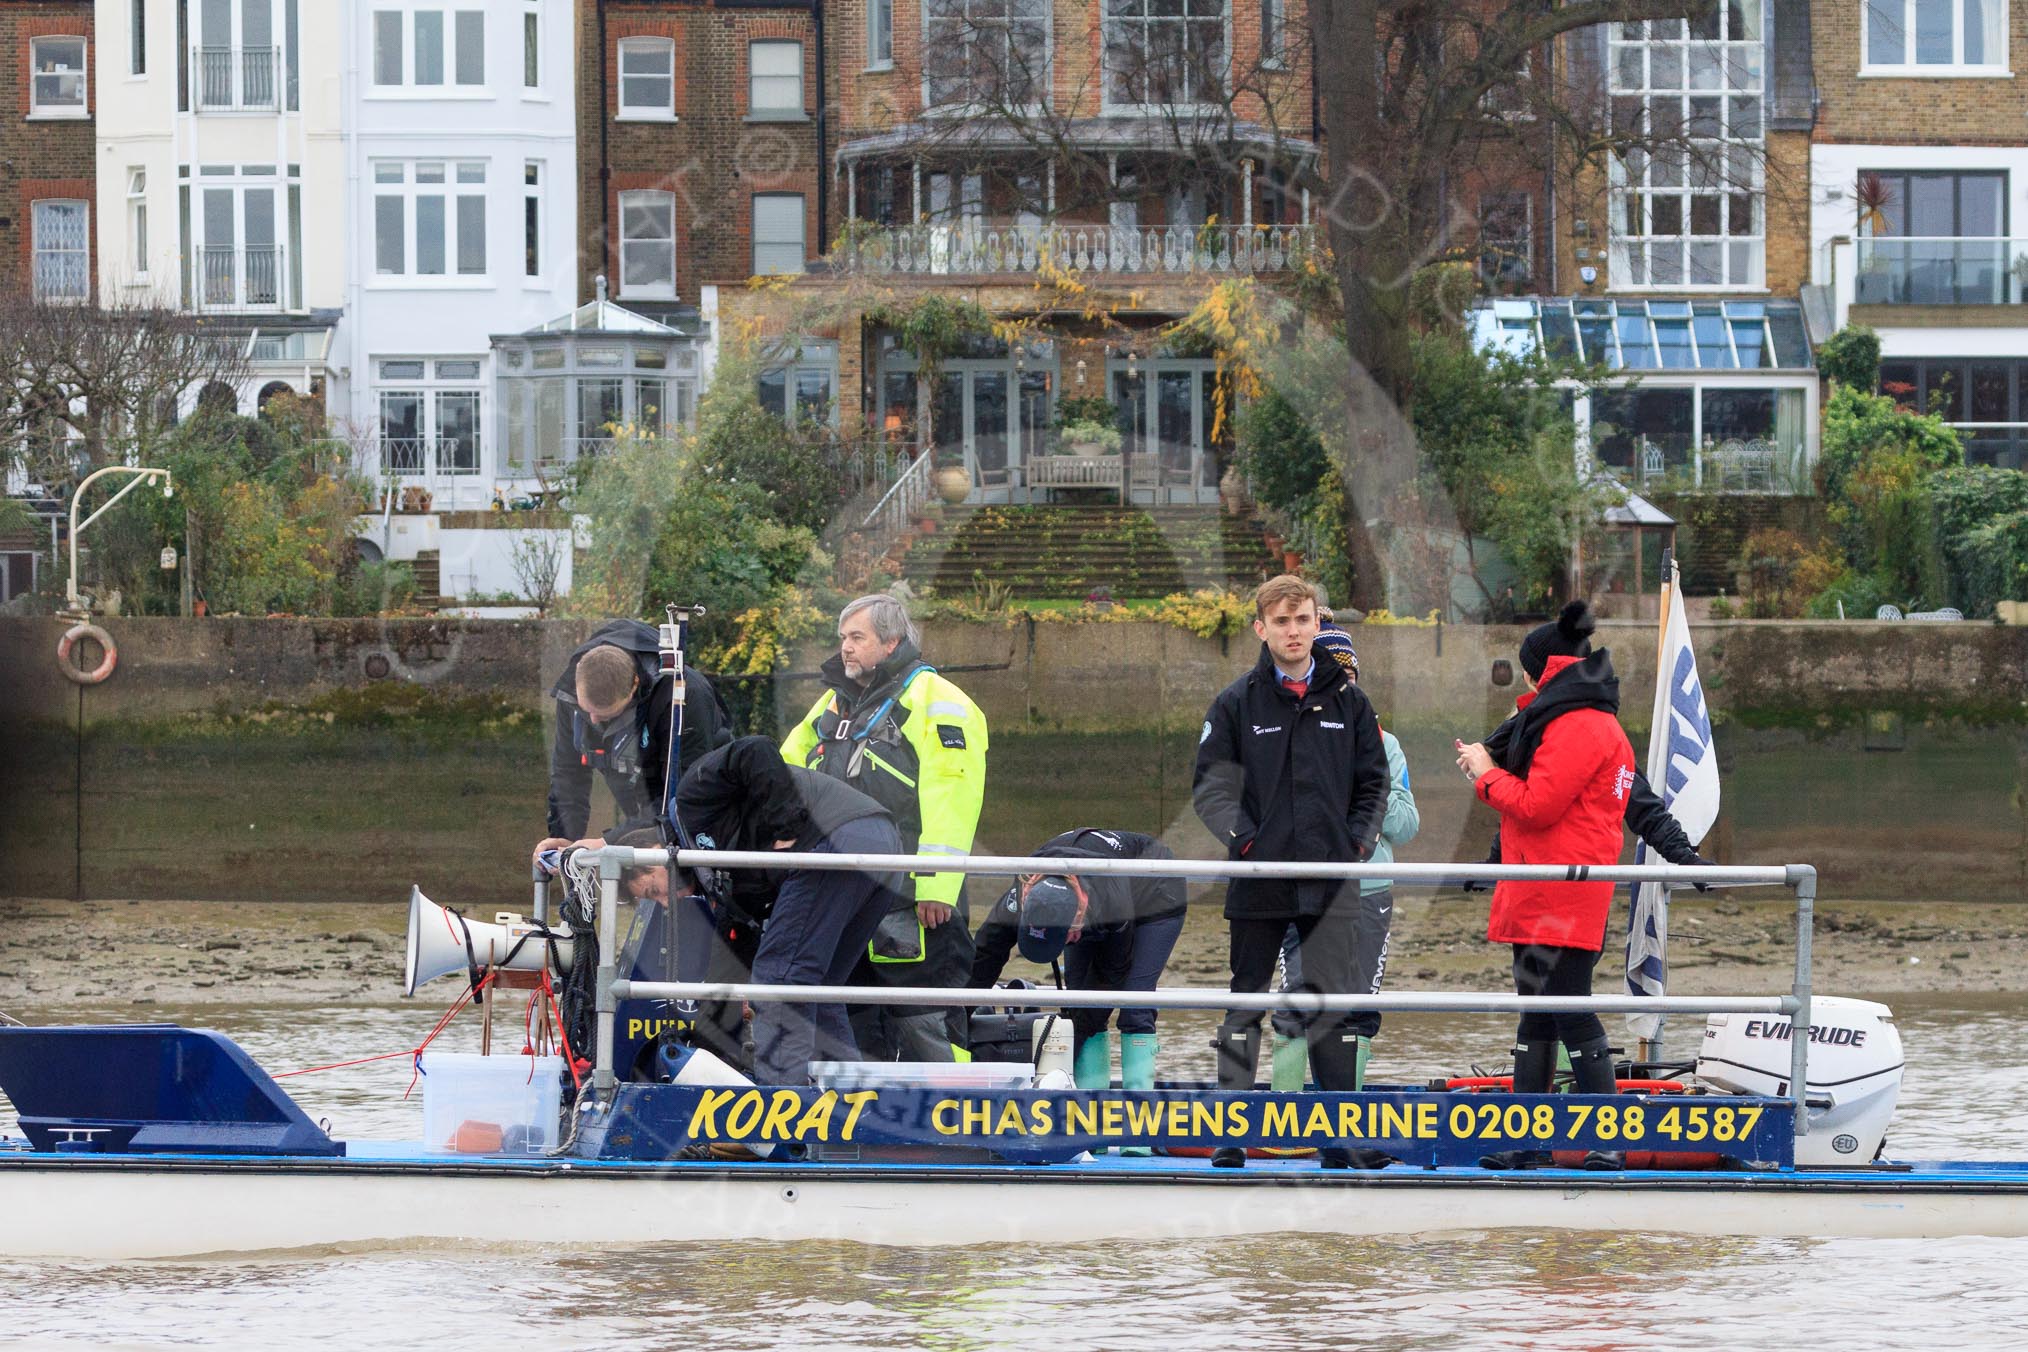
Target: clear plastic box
(491,1105)
(922,1074)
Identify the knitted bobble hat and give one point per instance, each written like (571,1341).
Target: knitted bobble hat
(1569,635)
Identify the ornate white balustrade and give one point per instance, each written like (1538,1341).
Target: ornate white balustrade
(964,247)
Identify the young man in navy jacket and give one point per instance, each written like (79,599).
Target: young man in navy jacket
(1291,768)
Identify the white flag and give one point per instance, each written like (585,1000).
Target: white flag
(1683,768)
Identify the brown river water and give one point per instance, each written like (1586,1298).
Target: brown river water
(1965,1096)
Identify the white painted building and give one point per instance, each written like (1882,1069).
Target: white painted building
(221,182)
(1935,267)
(461,149)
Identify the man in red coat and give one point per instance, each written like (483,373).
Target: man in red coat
(1561,791)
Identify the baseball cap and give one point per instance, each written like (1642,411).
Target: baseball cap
(1049,911)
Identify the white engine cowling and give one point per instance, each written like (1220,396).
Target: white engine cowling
(1855,1072)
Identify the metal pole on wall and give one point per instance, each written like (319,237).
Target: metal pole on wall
(188,588)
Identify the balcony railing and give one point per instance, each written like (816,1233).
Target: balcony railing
(964,247)
(248,277)
(429,455)
(236,77)
(1940,270)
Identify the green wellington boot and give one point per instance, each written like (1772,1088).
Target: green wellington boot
(1137,1071)
(1093,1066)
(1291,1065)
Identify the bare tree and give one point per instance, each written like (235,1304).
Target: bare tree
(85,386)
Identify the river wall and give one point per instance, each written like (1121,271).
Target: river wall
(1041,675)
(343,759)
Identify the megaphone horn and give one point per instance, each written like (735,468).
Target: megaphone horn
(440,942)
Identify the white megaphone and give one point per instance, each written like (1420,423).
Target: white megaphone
(440,942)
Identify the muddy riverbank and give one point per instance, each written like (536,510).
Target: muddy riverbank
(55,954)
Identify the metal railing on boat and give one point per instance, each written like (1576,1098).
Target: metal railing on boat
(1801,879)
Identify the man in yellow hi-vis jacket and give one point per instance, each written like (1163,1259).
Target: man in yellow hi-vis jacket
(894,729)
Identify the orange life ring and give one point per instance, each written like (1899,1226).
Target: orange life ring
(69,641)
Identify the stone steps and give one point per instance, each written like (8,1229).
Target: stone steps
(1065,552)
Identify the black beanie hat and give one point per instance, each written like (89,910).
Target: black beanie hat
(1569,635)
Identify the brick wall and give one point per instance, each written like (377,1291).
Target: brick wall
(1923,111)
(869,101)
(40,158)
(712,158)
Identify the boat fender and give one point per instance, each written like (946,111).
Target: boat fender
(71,638)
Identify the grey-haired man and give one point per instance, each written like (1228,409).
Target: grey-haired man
(894,729)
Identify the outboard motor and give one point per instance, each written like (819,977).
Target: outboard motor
(1855,1073)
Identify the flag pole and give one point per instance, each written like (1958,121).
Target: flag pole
(1651,1048)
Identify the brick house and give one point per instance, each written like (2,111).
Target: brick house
(1088,171)
(1919,169)
(699,129)
(47,174)
(1686,264)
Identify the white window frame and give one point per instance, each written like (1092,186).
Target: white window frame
(1109,105)
(880,34)
(137,224)
(137,38)
(239,182)
(37,109)
(430,390)
(82,253)
(643,112)
(647,244)
(462,183)
(1274,39)
(1623,244)
(453,84)
(1955,69)
(801,242)
(965,39)
(755,112)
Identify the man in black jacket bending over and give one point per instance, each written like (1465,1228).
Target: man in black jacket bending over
(612,719)
(1290,768)
(743,796)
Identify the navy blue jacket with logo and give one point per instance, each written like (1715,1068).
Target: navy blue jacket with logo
(1286,780)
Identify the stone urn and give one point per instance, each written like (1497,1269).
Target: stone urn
(953,485)
(1087,449)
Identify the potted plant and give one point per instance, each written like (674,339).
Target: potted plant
(1088,426)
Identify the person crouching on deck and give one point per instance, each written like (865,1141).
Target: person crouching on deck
(1561,791)
(744,797)
(1112,933)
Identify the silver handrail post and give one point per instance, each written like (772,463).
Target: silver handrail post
(610,865)
(1803,878)
(538,906)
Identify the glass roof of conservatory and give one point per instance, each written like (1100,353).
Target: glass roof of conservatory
(1651,335)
